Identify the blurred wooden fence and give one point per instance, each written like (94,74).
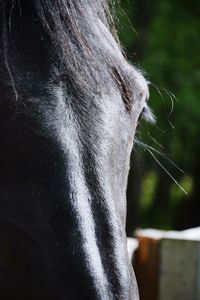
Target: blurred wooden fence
(167,264)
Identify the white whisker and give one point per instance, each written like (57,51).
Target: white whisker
(150,149)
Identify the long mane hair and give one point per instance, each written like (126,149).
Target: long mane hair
(83,35)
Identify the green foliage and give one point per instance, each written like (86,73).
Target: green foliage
(148,189)
(166,42)
(176,195)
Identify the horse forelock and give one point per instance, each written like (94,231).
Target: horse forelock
(83,36)
(80,29)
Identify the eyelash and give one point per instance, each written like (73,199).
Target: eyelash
(147,115)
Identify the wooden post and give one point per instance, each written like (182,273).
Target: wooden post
(167,264)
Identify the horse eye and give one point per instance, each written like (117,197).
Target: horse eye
(147,115)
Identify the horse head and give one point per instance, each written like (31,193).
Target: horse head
(70,103)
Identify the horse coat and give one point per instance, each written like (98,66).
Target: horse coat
(69,106)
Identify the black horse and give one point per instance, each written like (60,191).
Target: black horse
(69,106)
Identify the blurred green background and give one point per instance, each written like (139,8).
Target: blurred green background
(162,37)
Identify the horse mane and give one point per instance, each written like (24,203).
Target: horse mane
(84,38)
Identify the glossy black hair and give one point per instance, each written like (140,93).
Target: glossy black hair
(83,35)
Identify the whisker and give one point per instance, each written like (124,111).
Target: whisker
(161,154)
(172,104)
(169,174)
(155,141)
(172,126)
(148,135)
(149,150)
(158,90)
(172,95)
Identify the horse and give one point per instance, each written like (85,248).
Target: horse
(69,105)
